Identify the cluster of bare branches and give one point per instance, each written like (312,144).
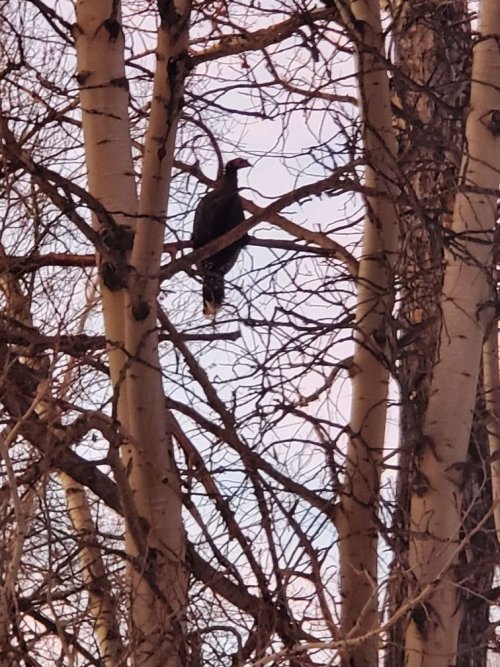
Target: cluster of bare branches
(273,487)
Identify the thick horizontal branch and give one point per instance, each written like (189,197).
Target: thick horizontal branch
(244,41)
(19,264)
(326,245)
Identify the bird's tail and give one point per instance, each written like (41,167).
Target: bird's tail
(213,293)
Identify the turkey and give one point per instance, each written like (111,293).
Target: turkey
(218,212)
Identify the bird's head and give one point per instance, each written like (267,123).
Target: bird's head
(237,163)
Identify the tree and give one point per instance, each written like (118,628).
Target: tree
(467,316)
(433,49)
(182,492)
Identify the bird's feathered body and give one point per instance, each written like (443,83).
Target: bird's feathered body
(218,212)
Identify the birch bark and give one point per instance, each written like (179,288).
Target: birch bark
(155,539)
(357,516)
(159,609)
(433,48)
(467,313)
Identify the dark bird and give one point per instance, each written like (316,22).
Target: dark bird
(218,212)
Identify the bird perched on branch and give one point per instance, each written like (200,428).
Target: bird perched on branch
(218,212)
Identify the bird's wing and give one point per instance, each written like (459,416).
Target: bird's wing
(217,213)
(205,220)
(235,213)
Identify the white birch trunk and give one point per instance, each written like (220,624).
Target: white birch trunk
(357,516)
(432,635)
(110,171)
(159,620)
(155,539)
(422,33)
(101,603)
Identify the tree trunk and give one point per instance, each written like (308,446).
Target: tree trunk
(477,561)
(357,515)
(101,602)
(431,86)
(491,374)
(158,599)
(436,503)
(110,169)
(155,538)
